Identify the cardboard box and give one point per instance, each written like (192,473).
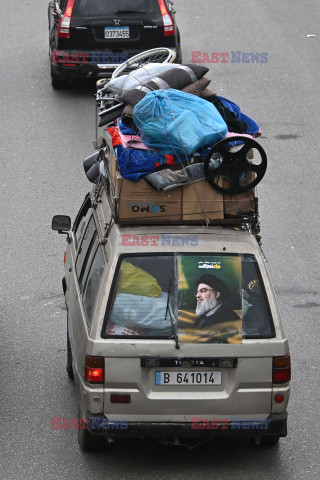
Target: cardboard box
(200,201)
(135,202)
(241,205)
(138,202)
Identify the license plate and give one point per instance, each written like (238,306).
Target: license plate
(116,32)
(189,378)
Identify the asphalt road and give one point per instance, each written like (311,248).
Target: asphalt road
(45,135)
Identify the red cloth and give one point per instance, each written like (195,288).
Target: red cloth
(115,136)
(169,161)
(116,140)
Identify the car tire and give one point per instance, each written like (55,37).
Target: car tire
(87,441)
(179,56)
(179,52)
(69,359)
(266,441)
(59,83)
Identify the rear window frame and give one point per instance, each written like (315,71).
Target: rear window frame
(154,10)
(113,288)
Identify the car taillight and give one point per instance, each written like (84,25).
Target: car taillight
(94,369)
(64,25)
(167,19)
(281,369)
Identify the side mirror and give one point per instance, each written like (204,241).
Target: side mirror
(62,223)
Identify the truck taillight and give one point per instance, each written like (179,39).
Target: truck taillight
(64,25)
(94,369)
(167,19)
(281,372)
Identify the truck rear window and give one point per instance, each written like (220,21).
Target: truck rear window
(196,298)
(112,7)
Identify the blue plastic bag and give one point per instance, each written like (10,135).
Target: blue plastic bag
(178,123)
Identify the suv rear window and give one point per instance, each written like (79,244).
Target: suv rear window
(112,7)
(197,298)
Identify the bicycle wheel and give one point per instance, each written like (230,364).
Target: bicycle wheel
(155,55)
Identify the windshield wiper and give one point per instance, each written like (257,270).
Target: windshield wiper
(131,11)
(174,330)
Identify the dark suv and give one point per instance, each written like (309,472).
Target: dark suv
(90,38)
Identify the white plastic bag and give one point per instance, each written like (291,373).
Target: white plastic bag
(139,311)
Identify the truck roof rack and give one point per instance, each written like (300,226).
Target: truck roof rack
(137,203)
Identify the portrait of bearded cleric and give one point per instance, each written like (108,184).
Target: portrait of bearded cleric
(211,295)
(209,303)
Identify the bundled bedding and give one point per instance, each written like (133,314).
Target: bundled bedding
(166,116)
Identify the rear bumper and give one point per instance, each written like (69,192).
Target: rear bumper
(86,64)
(275,424)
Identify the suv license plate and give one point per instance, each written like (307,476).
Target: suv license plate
(189,378)
(116,32)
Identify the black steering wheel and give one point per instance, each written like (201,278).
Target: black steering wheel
(225,160)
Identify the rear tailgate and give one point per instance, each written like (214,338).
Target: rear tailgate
(120,31)
(243,389)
